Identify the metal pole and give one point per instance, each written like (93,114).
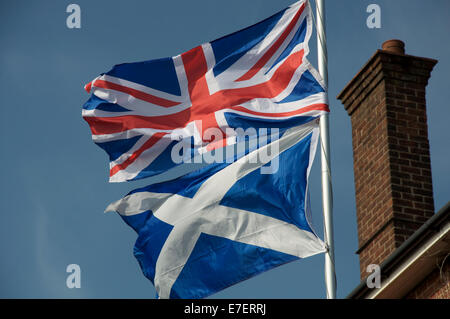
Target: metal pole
(327,197)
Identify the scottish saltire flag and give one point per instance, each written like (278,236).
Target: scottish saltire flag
(226,222)
(137,112)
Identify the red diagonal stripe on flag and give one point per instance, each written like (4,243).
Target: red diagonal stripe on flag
(149,143)
(135,93)
(269,53)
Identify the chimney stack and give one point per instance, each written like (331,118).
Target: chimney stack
(394,192)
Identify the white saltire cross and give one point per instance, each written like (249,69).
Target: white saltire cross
(202,214)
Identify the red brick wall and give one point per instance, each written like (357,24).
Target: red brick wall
(394,195)
(374,203)
(409,152)
(434,286)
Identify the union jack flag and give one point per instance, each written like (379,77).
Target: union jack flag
(257,74)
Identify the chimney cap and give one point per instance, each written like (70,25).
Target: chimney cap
(394,46)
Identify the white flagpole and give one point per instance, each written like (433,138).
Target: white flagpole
(327,197)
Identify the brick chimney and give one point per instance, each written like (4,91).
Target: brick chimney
(391,157)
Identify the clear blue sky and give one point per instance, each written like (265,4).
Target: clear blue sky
(54,188)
